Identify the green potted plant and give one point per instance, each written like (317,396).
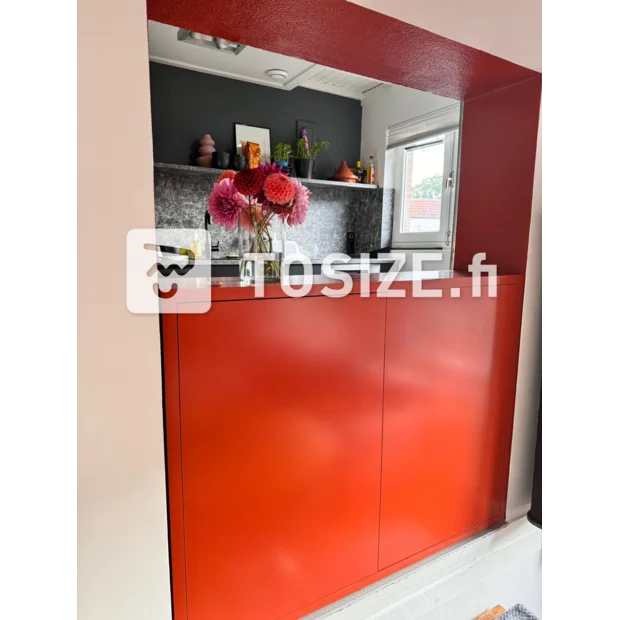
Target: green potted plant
(304,155)
(282,153)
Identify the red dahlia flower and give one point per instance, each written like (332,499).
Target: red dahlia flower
(249,182)
(279,189)
(227,174)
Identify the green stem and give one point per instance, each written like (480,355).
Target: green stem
(262,241)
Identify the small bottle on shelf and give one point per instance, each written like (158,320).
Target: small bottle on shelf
(370,172)
(359,172)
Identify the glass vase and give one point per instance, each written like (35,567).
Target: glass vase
(261,245)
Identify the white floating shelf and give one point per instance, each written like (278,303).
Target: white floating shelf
(320,182)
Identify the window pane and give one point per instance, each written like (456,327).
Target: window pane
(423,188)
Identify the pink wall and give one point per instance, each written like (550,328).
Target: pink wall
(122,536)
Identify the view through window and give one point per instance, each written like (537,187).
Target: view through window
(424,181)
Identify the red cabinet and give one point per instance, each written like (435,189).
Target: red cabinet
(280,415)
(316,445)
(450,372)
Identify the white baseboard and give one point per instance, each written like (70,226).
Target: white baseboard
(434,582)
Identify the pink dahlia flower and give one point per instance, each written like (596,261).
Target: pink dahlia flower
(272,169)
(225,204)
(279,189)
(299,210)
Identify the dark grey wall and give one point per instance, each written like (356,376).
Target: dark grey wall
(187,104)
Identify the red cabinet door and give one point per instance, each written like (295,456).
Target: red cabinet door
(450,370)
(281,414)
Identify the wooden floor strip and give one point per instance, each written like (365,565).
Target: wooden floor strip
(497,611)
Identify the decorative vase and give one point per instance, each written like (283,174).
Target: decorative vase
(206,150)
(303,168)
(344,174)
(261,245)
(239,162)
(221,160)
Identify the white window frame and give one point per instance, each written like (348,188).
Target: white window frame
(442,238)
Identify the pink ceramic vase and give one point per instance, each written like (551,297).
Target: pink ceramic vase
(206,150)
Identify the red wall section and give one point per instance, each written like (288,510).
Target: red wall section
(498,152)
(348,37)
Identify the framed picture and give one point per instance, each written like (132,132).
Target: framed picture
(256,135)
(311,130)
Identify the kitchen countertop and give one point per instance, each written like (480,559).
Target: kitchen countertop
(315,261)
(196,290)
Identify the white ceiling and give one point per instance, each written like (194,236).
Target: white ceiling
(510,29)
(251,65)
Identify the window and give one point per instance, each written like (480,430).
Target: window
(423,174)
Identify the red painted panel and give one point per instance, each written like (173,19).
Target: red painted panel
(497,175)
(281,413)
(450,370)
(173,462)
(342,35)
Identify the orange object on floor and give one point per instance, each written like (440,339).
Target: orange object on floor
(496,612)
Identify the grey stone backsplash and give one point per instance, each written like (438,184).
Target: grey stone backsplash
(180,202)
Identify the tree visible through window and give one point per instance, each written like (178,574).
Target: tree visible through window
(429,188)
(424,176)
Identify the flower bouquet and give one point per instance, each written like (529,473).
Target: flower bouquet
(258,201)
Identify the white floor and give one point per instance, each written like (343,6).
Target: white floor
(500,567)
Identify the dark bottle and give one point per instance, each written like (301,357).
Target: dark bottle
(350,243)
(359,172)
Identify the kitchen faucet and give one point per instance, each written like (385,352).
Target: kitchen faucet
(214,247)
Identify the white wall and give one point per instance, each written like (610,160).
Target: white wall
(385,106)
(388,105)
(530,361)
(122,528)
(504,28)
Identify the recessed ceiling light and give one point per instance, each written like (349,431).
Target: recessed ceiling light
(279,75)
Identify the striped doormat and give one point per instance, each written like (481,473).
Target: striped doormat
(518,612)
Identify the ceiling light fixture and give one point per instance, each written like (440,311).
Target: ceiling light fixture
(223,44)
(278,75)
(215,43)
